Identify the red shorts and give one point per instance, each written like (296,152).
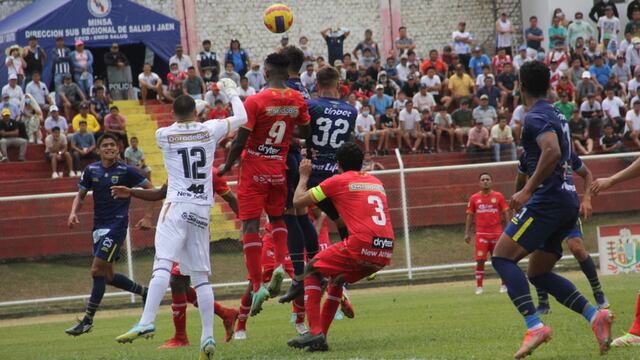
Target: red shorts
(262,186)
(323,241)
(353,259)
(485,244)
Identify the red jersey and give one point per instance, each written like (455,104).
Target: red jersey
(362,203)
(439,65)
(272,114)
(220,185)
(218,114)
(498,63)
(488,210)
(171,79)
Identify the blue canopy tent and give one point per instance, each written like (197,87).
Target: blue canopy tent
(99,23)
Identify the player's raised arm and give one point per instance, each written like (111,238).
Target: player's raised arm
(239,117)
(631,172)
(78,201)
(302,197)
(152,194)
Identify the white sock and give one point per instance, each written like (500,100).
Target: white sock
(157,288)
(204,292)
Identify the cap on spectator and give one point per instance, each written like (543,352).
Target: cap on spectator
(426,110)
(612,75)
(13,77)
(620,56)
(477,49)
(53,108)
(337,63)
(379,86)
(586,75)
(590,95)
(484,97)
(404,56)
(84,106)
(381,73)
(255,66)
(6,112)
(285,37)
(522,48)
(114,45)
(79,42)
(411,77)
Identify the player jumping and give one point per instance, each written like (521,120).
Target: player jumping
(631,338)
(182,233)
(491,212)
(181,292)
(547,209)
(264,142)
(575,238)
(110,223)
(361,201)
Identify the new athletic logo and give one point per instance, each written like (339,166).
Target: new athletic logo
(195,219)
(382,243)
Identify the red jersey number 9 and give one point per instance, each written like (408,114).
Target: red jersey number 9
(276,134)
(380,219)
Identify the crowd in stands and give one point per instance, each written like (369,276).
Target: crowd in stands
(458,98)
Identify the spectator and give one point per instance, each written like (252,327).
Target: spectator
(207,62)
(565,86)
(39,91)
(560,55)
(380,101)
(389,124)
(193,85)
(14,63)
(114,57)
(309,57)
(184,61)
(517,122)
(424,100)
(534,37)
(599,8)
(365,44)
(521,58)
(150,84)
(308,78)
(92,123)
(632,127)
(352,73)
(175,80)
(284,42)
(499,61)
(7,104)
(633,26)
(390,86)
(55,120)
(16,95)
(613,83)
(579,129)
(477,61)
(432,82)
(575,72)
(320,62)
(230,73)
(56,151)
(622,71)
(461,85)
(365,129)
(410,126)
(335,43)
(478,142)
(557,33)
(434,61)
(608,26)
(504,34)
(508,85)
(632,55)
(70,95)
(343,73)
(586,86)
(490,91)
(632,7)
(10,135)
(353,101)
(612,107)
(502,138)
(600,71)
(555,74)
(403,69)
(592,51)
(560,14)
(61,62)
(400,102)
(245,90)
(403,42)
(485,113)
(219,111)
(99,104)
(367,59)
(611,142)
(580,29)
(32,118)
(462,40)
(83,146)
(564,105)
(34,58)
(256,79)
(116,124)
(373,70)
(486,72)
(443,123)
(462,119)
(427,128)
(82,60)
(134,156)
(411,87)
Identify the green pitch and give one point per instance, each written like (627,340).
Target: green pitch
(441,321)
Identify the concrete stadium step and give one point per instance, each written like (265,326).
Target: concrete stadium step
(37,186)
(25,169)
(34,152)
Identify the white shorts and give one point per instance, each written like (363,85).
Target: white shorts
(182,236)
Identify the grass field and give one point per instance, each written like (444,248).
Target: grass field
(439,321)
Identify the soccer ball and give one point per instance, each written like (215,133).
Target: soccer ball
(278,18)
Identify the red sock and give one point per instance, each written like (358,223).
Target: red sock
(479,274)
(192,298)
(312,297)
(253,258)
(298,309)
(218,309)
(245,306)
(331,304)
(279,233)
(179,309)
(635,328)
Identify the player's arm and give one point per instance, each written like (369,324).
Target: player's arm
(631,172)
(146,222)
(78,201)
(467,228)
(302,197)
(152,194)
(231,199)
(585,206)
(237,146)
(549,157)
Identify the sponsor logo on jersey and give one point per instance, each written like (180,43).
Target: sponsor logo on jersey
(202,136)
(337,112)
(285,110)
(366,187)
(195,219)
(485,208)
(331,167)
(382,243)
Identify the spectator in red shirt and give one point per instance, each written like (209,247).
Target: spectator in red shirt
(499,60)
(437,63)
(564,85)
(174,79)
(219,111)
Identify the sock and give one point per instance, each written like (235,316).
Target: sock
(331,304)
(310,236)
(121,281)
(479,274)
(253,258)
(192,298)
(543,298)
(97,292)
(298,309)
(312,297)
(295,243)
(518,289)
(588,267)
(280,236)
(219,310)
(565,292)
(344,233)
(245,307)
(157,287)
(179,308)
(205,302)
(635,327)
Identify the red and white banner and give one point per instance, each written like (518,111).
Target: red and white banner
(619,248)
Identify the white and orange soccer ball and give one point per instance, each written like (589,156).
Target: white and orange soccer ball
(278,18)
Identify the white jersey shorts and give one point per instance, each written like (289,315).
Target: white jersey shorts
(182,236)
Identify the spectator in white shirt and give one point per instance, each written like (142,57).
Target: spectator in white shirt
(501,138)
(485,112)
(308,78)
(245,90)
(16,96)
(353,101)
(184,61)
(433,83)
(39,91)
(486,72)
(633,84)
(410,125)
(366,129)
(150,84)
(256,79)
(517,121)
(612,106)
(443,123)
(230,73)
(632,128)
(521,58)
(400,103)
(504,33)
(403,69)
(55,120)
(462,40)
(633,54)
(423,100)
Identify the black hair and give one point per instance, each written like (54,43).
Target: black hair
(105,136)
(35,72)
(56,128)
(409,101)
(218,101)
(402,27)
(133,138)
(191,68)
(533,17)
(350,157)
(114,108)
(228,62)
(295,56)
(534,78)
(243,78)
(278,64)
(345,55)
(184,106)
(485,173)
(206,42)
(327,77)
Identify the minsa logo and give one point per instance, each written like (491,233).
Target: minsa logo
(382,243)
(99,8)
(288,110)
(202,136)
